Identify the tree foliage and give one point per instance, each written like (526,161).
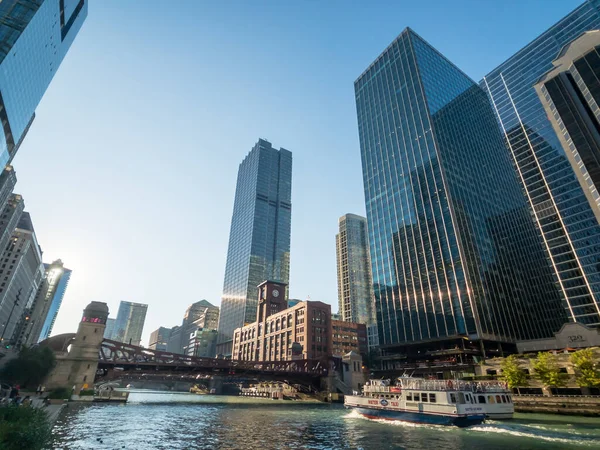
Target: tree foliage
(585,365)
(30,368)
(512,372)
(546,370)
(23,428)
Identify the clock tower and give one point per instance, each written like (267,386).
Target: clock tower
(271,299)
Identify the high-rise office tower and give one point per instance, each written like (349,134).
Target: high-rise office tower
(57,276)
(454,251)
(570,230)
(44,309)
(201,315)
(259,240)
(159,339)
(355,287)
(34,38)
(11,212)
(110,328)
(129,323)
(570,94)
(21,273)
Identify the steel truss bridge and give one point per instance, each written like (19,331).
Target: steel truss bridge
(119,360)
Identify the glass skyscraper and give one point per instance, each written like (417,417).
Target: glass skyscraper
(259,240)
(34,38)
(570,230)
(454,251)
(129,323)
(57,277)
(355,285)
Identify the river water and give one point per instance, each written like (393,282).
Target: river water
(153,420)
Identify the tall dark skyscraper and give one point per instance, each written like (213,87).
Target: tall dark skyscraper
(35,36)
(259,240)
(570,230)
(453,247)
(570,93)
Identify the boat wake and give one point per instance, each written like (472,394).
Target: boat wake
(538,433)
(515,429)
(400,423)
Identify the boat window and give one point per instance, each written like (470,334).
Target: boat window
(461,398)
(498,399)
(416,396)
(468,398)
(423,397)
(504,400)
(509,399)
(482,399)
(409,397)
(491,399)
(452,398)
(432,398)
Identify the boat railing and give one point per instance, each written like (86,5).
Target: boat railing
(434,385)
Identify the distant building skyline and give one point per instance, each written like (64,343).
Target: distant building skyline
(159,339)
(259,239)
(129,323)
(355,285)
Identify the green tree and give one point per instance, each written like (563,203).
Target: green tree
(547,371)
(23,427)
(586,371)
(30,368)
(512,372)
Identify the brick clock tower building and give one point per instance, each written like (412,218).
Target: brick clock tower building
(281,333)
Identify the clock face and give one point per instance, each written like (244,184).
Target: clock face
(275,293)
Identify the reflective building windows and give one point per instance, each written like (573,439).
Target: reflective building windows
(35,36)
(569,227)
(454,250)
(259,239)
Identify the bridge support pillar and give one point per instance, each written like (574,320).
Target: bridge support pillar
(77,369)
(216,383)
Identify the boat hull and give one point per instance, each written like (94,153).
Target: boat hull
(417,417)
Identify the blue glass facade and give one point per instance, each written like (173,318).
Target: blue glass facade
(570,230)
(454,250)
(58,293)
(259,239)
(34,38)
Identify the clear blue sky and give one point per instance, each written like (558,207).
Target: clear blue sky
(129,169)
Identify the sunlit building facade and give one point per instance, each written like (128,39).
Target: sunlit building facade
(259,240)
(41,315)
(562,213)
(454,251)
(570,94)
(355,285)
